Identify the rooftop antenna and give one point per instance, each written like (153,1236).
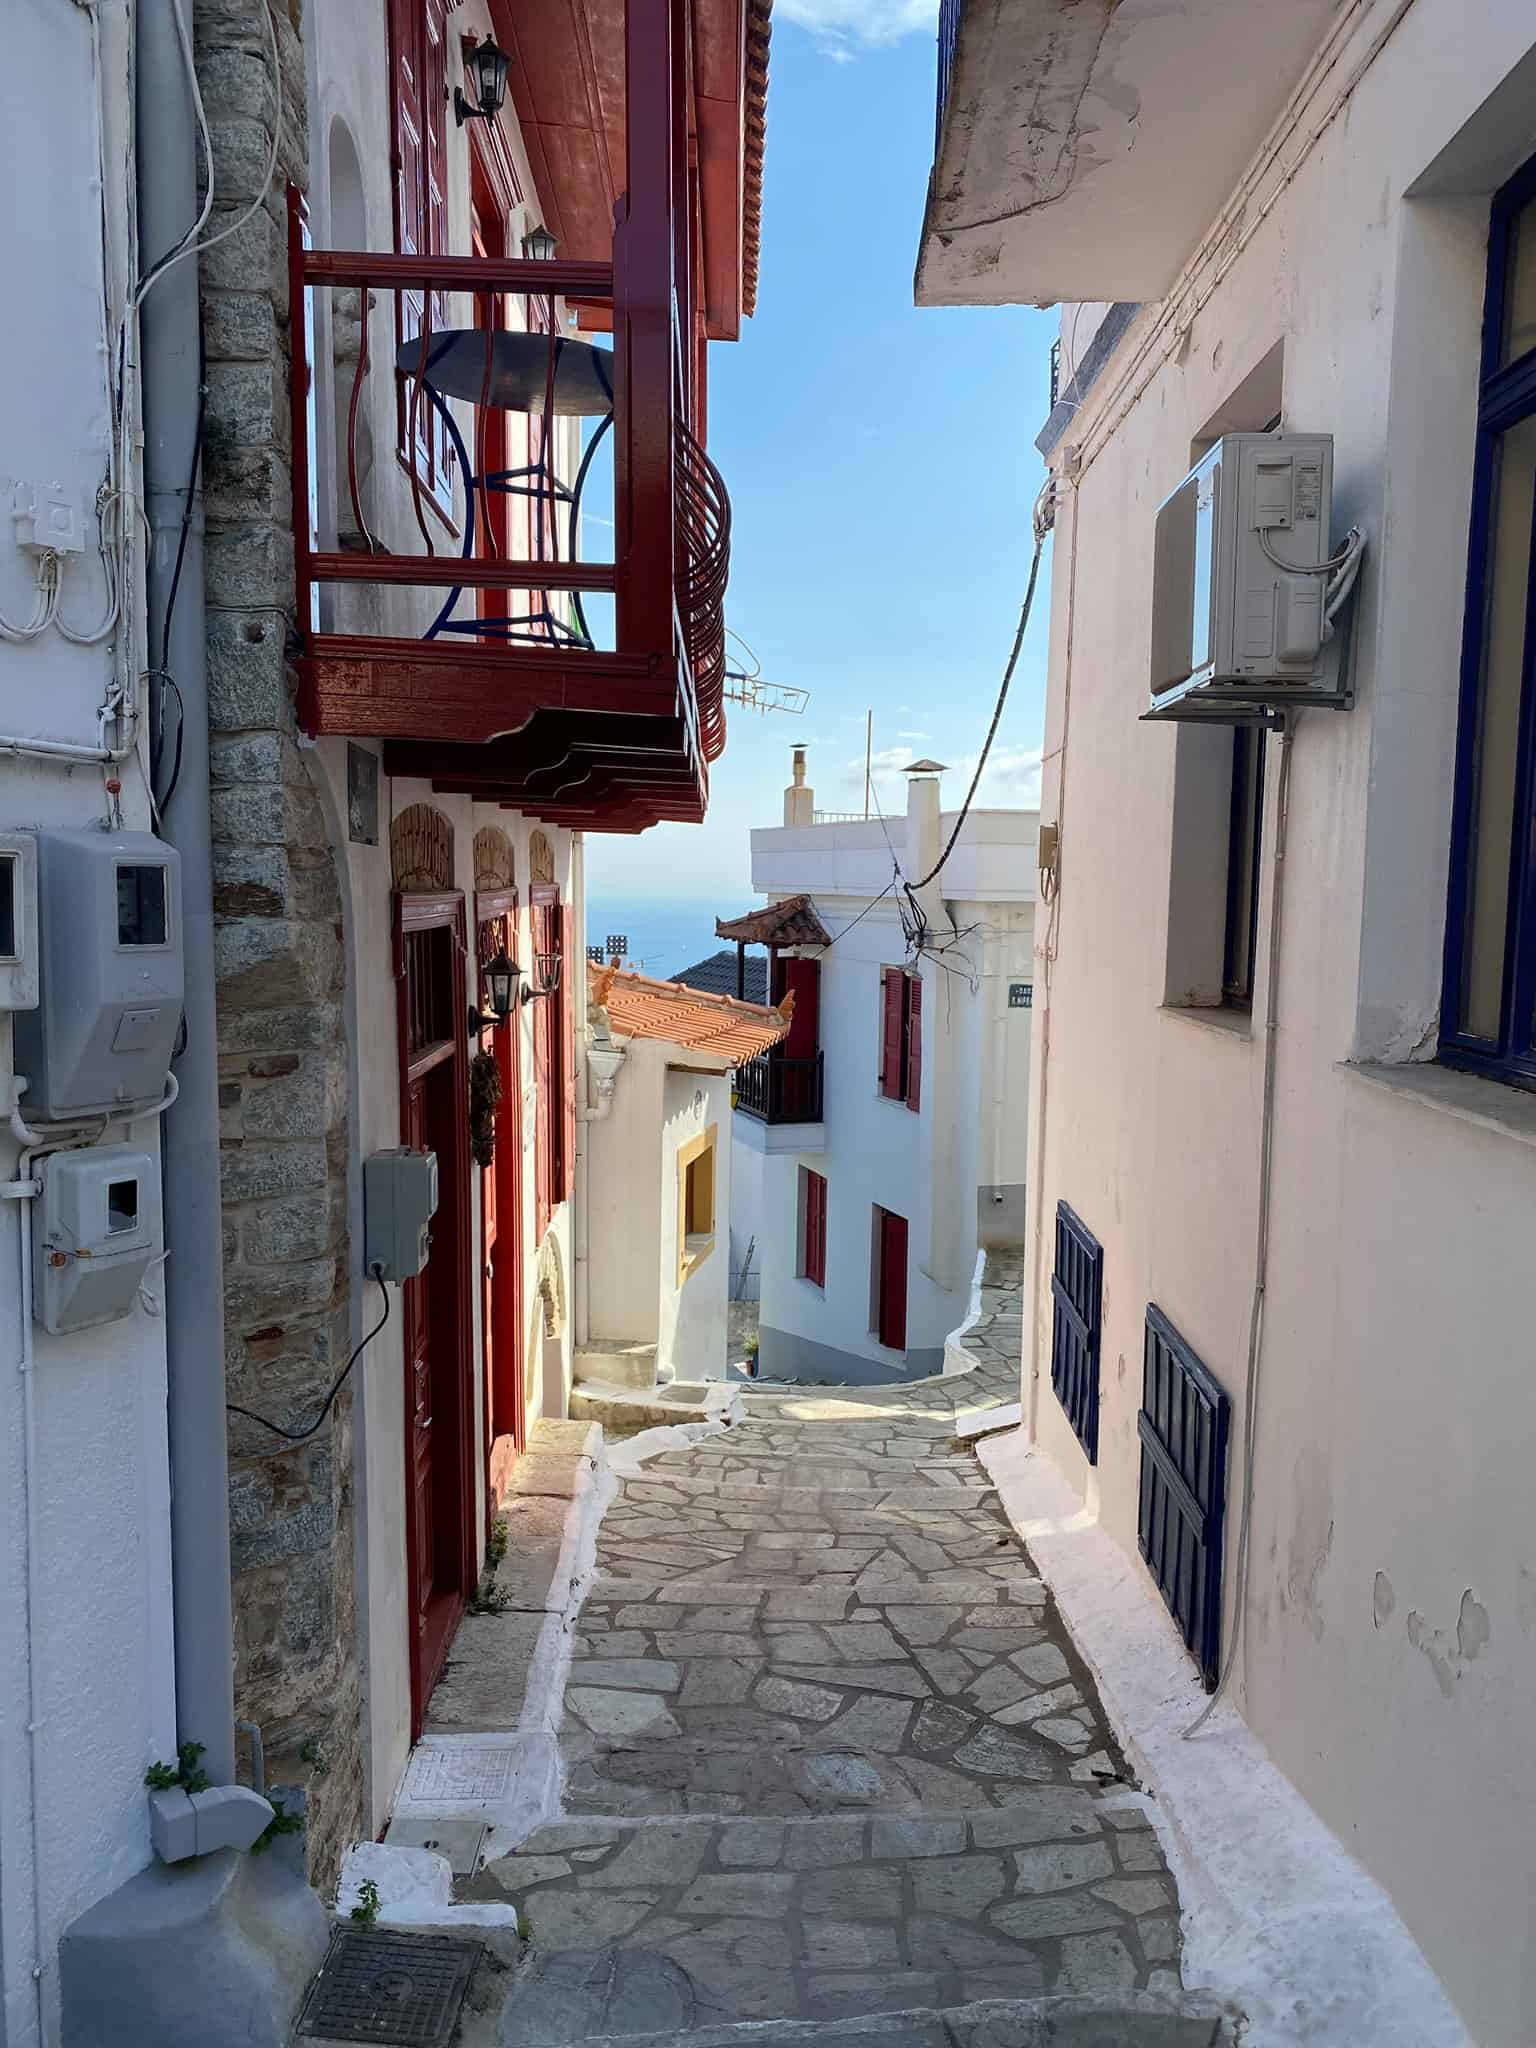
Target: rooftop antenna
(744,685)
(869,741)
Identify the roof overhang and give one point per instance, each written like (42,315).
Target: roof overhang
(1085,145)
(568,86)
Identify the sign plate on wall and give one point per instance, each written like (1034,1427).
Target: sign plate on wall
(1021,995)
(362,796)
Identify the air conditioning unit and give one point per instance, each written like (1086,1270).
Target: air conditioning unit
(1243,581)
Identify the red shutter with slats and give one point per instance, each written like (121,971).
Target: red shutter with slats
(914,994)
(892,1005)
(892,1327)
(814,1259)
(543,1076)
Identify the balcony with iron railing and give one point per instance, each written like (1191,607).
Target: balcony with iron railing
(476,629)
(774,1089)
(949,30)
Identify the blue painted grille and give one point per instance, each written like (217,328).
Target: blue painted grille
(1077,1289)
(1183,1425)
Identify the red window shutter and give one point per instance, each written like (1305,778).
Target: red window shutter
(814,1261)
(543,1170)
(914,995)
(893,1281)
(892,1005)
(567,927)
(803,979)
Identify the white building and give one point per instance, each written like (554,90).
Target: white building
(1323,217)
(655,1192)
(885,1139)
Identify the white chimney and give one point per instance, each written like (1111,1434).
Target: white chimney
(923,842)
(799,798)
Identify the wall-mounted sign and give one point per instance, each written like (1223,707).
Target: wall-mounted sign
(362,796)
(1021,995)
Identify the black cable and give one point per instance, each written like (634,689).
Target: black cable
(163,673)
(847,928)
(298,1436)
(1002,699)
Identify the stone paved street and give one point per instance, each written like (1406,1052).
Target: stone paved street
(829,1751)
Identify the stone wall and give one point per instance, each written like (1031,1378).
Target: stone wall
(280,966)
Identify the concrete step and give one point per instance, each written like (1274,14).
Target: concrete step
(624,1410)
(615,1363)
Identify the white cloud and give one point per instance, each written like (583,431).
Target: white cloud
(1011,780)
(844,27)
(914,735)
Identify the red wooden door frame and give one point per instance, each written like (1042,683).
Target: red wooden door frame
(431,1620)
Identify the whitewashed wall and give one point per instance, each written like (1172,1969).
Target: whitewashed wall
(101,1628)
(1391,1630)
(693,1315)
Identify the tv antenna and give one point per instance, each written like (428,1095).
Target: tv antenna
(744,685)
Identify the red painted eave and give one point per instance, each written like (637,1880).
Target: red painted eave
(567,86)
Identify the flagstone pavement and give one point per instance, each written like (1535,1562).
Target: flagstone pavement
(830,1754)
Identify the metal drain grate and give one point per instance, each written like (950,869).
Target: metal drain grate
(403,1990)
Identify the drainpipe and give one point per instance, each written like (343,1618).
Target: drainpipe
(582,1221)
(194,1276)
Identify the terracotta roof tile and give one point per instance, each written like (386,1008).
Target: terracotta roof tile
(640,1007)
(790,923)
(755,121)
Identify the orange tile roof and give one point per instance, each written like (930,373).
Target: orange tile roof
(640,1007)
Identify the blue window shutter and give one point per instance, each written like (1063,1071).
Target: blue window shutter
(1077,1290)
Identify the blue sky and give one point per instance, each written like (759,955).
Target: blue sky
(881,463)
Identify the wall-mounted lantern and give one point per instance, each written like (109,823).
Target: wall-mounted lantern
(539,245)
(490,65)
(501,977)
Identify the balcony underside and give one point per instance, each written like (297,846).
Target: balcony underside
(434,690)
(618,773)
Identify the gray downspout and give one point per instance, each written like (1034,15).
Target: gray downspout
(194,1271)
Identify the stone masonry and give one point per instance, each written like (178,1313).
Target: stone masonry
(833,1764)
(280,968)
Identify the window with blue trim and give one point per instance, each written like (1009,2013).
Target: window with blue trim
(1488,1021)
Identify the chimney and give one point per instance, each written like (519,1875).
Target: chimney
(923,842)
(799,798)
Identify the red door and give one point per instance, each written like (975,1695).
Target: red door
(891,1287)
(439,1406)
(798,1098)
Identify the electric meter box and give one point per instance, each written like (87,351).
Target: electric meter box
(110,980)
(399,1202)
(18,921)
(98,1233)
(1238,582)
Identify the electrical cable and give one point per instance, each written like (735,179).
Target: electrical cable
(847,928)
(1261,1256)
(1002,699)
(299,1436)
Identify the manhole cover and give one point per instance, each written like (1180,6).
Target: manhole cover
(403,1989)
(459,1774)
(459,1840)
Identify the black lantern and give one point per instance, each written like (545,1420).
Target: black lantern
(539,245)
(501,977)
(490,65)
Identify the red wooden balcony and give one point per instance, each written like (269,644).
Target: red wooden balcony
(515,659)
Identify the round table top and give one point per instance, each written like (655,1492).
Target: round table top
(455,367)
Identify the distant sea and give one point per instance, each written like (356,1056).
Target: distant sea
(664,936)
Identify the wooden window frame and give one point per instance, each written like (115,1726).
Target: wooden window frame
(1245,854)
(694,1247)
(1506,399)
(1077,1321)
(418,44)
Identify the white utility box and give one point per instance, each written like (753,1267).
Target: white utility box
(98,1232)
(1239,584)
(100,1040)
(399,1202)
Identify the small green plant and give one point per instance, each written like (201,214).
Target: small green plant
(281,1823)
(496,1543)
(524,1926)
(366,1911)
(187,1771)
(316,1755)
(489,1598)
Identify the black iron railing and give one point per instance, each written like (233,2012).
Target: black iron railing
(780,1091)
(949,28)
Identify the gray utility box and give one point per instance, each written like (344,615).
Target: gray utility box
(100,1232)
(399,1202)
(18,920)
(110,982)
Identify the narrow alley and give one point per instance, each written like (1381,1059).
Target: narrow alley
(830,1755)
